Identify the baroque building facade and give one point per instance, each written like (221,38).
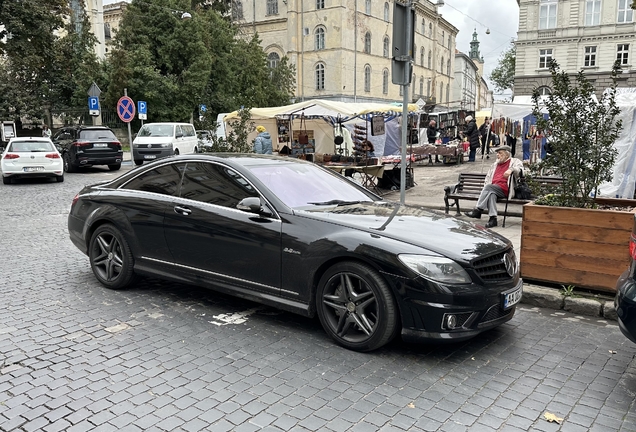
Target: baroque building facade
(586,35)
(342,48)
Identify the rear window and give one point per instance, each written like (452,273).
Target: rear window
(97,134)
(31,146)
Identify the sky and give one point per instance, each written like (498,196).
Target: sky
(500,16)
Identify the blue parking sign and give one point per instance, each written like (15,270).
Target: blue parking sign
(203,108)
(93,105)
(142,109)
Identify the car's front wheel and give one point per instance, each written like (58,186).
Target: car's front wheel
(176,152)
(356,307)
(6,180)
(139,162)
(111,260)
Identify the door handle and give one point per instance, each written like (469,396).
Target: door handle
(182,210)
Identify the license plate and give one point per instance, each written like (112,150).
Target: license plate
(100,145)
(512,298)
(150,157)
(33,169)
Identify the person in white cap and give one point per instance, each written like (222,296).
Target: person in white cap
(472,133)
(497,185)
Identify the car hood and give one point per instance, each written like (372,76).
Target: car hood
(431,230)
(152,140)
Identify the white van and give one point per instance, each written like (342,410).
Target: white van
(156,140)
(220,125)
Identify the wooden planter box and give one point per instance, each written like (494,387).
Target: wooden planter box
(572,246)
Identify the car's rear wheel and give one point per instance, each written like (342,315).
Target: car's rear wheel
(68,164)
(111,260)
(6,180)
(114,167)
(176,152)
(60,179)
(139,162)
(356,307)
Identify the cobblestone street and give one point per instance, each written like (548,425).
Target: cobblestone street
(76,356)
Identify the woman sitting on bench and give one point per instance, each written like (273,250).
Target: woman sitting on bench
(497,185)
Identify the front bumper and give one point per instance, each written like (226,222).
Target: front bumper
(147,154)
(454,317)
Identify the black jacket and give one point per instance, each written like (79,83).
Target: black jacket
(431,134)
(473,134)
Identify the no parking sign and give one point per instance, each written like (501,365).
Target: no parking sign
(126,109)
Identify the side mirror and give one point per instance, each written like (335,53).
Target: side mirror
(179,135)
(250,204)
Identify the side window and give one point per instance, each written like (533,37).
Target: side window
(190,130)
(178,131)
(162,180)
(215,184)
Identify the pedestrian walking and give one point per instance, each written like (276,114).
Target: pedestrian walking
(263,141)
(486,138)
(431,134)
(496,185)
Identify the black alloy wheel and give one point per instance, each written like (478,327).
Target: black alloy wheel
(176,152)
(139,162)
(68,164)
(356,307)
(110,257)
(114,167)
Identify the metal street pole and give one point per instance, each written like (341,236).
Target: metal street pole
(405,102)
(132,159)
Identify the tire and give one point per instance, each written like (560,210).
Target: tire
(139,162)
(60,179)
(111,260)
(114,167)
(372,323)
(6,180)
(196,150)
(176,152)
(68,164)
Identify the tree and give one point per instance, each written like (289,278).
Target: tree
(581,133)
(503,76)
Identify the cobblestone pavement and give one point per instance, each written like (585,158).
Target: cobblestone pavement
(75,356)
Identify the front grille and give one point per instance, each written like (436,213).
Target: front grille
(493,268)
(462,318)
(494,313)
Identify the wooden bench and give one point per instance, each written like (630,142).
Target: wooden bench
(469,186)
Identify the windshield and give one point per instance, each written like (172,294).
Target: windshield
(31,146)
(156,131)
(304,186)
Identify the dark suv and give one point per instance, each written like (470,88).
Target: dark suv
(84,146)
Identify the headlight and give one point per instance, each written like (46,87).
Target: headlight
(438,269)
(166,145)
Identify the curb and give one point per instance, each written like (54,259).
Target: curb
(593,306)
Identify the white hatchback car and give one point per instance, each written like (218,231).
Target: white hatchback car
(28,157)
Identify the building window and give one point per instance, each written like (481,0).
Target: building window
(448,67)
(544,91)
(413,84)
(367,7)
(385,81)
(430,29)
(320,76)
(319,38)
(441,92)
(592,12)
(429,59)
(320,4)
(590,56)
(625,12)
(272,7)
(447,93)
(622,54)
(422,56)
(414,54)
(421,86)
(107,34)
(441,66)
(367,43)
(449,41)
(443,37)
(423,26)
(385,46)
(367,78)
(272,60)
(545,57)
(237,10)
(386,11)
(547,14)
(428,88)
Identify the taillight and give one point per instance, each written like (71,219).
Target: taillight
(81,143)
(632,246)
(52,156)
(116,144)
(75,198)
(11,156)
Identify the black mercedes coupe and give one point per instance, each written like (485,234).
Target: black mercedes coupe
(299,237)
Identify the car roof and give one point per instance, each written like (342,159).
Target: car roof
(29,138)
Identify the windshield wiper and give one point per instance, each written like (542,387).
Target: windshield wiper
(336,202)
